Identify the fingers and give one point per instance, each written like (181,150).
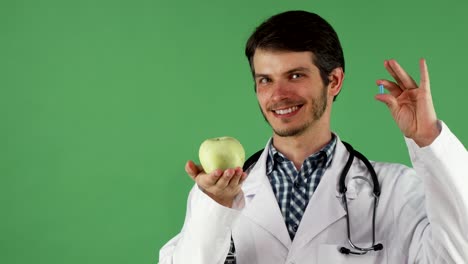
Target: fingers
(424,82)
(218,178)
(390,86)
(224,180)
(212,178)
(392,72)
(230,178)
(404,80)
(389,100)
(237,178)
(221,186)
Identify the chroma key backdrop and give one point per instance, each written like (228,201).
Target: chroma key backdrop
(102,103)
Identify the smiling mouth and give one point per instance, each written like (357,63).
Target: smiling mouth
(286,111)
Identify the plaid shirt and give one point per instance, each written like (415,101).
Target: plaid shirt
(287,182)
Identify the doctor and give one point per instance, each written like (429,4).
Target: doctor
(287,207)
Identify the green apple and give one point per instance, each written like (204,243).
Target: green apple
(221,153)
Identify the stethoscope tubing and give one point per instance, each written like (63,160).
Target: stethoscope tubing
(376,194)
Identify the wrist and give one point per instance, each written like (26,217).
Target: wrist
(224,201)
(428,136)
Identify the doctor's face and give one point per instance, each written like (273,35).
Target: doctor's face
(290,91)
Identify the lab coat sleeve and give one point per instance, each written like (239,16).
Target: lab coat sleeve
(443,168)
(206,234)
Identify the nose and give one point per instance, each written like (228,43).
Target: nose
(280,90)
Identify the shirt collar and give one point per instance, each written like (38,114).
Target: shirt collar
(275,157)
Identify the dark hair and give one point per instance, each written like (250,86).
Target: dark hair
(299,31)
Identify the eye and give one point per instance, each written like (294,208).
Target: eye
(264,80)
(296,75)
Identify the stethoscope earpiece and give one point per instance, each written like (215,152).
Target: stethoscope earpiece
(378,247)
(344,251)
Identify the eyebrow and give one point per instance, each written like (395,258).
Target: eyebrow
(298,69)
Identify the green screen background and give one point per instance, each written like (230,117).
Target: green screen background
(103,102)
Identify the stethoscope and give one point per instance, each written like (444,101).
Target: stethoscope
(376,192)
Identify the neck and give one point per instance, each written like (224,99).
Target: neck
(298,148)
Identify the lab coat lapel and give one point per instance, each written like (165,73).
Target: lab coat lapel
(262,207)
(324,207)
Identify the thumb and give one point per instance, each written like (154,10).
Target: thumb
(192,169)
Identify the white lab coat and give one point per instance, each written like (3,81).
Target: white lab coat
(422,216)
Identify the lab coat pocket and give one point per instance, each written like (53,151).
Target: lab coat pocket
(329,254)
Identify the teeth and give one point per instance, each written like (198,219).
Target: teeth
(286,111)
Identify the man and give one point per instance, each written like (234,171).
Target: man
(288,208)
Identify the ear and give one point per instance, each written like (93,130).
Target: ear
(336,78)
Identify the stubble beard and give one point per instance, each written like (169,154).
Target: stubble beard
(318,109)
